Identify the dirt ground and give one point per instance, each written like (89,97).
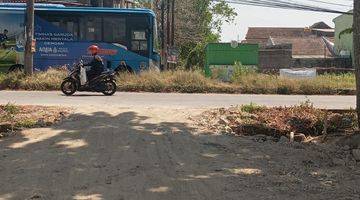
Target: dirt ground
(129,154)
(14,117)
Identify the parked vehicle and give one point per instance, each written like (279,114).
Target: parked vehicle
(127,37)
(77,81)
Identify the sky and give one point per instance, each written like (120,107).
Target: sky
(251,16)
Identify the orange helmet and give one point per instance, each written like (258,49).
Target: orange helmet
(93,49)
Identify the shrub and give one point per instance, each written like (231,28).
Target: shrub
(11,81)
(251,108)
(7,114)
(242,70)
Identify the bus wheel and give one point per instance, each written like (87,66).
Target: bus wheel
(123,69)
(16,68)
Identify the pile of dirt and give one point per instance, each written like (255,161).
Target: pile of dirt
(300,123)
(14,118)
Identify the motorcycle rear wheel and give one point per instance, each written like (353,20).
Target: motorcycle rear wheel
(109,88)
(68,87)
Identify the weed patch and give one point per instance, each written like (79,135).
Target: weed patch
(13,117)
(49,80)
(244,80)
(303,120)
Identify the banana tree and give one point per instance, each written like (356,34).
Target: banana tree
(346,31)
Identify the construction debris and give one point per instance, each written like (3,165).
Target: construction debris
(297,123)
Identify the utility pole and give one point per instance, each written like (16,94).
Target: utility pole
(168,27)
(29,60)
(163,46)
(168,30)
(173,23)
(356,35)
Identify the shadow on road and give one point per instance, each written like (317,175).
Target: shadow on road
(130,156)
(85,95)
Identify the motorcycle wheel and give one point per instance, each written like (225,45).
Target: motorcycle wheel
(68,87)
(109,88)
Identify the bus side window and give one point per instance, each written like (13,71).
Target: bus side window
(115,30)
(67,24)
(56,23)
(91,28)
(72,26)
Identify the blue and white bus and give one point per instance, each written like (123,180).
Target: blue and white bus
(127,37)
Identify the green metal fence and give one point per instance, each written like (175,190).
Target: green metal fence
(220,54)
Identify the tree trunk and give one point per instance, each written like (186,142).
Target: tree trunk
(356,26)
(29,60)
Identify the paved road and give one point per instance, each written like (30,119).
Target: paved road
(171,100)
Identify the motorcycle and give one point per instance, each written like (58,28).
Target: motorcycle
(77,81)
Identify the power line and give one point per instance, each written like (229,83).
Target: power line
(283,5)
(330,3)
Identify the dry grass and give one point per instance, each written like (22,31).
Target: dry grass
(49,80)
(271,84)
(172,81)
(13,117)
(195,82)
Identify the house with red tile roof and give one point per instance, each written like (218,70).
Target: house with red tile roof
(305,41)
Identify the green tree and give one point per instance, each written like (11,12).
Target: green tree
(206,29)
(198,22)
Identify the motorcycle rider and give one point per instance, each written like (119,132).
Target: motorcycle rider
(97,64)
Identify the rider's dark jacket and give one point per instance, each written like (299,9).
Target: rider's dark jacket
(3,38)
(97,67)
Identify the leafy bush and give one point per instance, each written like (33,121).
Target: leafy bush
(10,109)
(242,70)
